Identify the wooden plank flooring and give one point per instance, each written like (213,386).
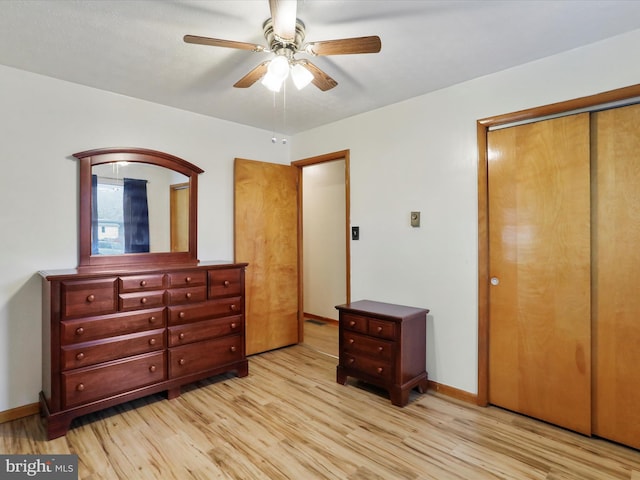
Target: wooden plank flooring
(289,419)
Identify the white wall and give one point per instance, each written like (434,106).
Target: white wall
(43,122)
(421,154)
(324,251)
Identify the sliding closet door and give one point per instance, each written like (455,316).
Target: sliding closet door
(616,273)
(539,264)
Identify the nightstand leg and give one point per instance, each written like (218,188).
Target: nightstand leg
(341,378)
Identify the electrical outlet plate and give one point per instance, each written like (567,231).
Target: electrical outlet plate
(415,219)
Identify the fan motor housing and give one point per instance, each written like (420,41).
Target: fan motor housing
(276,43)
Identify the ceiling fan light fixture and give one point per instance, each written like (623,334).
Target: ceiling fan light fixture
(277,73)
(301,76)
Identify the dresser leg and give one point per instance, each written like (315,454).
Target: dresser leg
(173,393)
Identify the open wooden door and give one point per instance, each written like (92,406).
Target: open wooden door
(179,217)
(266,237)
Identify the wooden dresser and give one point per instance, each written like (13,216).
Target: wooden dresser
(385,345)
(116,335)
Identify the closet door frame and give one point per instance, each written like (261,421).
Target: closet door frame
(483,126)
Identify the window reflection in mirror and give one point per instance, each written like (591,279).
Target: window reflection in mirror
(135,209)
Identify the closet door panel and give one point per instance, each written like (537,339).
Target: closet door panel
(539,248)
(616,285)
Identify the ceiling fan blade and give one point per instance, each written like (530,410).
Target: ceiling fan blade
(345,46)
(320,79)
(216,42)
(283,13)
(253,76)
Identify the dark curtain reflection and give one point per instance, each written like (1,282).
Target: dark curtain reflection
(94,215)
(135,216)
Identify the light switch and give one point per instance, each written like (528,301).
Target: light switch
(355,233)
(415,219)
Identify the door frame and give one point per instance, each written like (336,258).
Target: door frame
(482,128)
(300,164)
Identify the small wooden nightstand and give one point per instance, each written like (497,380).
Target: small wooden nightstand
(385,345)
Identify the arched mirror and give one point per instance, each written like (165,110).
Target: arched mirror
(137,206)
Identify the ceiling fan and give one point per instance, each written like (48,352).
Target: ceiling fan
(285,36)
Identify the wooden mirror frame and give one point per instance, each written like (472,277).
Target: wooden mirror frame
(100,156)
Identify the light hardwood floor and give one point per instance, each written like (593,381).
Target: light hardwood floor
(289,419)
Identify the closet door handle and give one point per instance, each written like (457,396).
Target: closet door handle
(495,281)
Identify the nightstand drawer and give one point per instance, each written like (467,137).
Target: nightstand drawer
(360,344)
(355,323)
(368,368)
(382,329)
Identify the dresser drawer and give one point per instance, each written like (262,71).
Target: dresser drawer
(382,329)
(92,328)
(225,282)
(136,283)
(206,329)
(355,323)
(88,297)
(377,370)
(180,314)
(90,353)
(92,383)
(186,279)
(186,295)
(138,300)
(359,344)
(206,355)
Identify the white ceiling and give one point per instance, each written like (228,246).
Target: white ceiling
(135,48)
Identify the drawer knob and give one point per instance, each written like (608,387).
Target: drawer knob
(181,336)
(351,341)
(351,360)
(232,348)
(233,325)
(143,300)
(182,314)
(80,387)
(226,283)
(188,295)
(152,368)
(187,280)
(182,361)
(379,369)
(233,307)
(80,356)
(152,341)
(379,329)
(143,283)
(91,298)
(152,319)
(380,349)
(79,331)
(352,323)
